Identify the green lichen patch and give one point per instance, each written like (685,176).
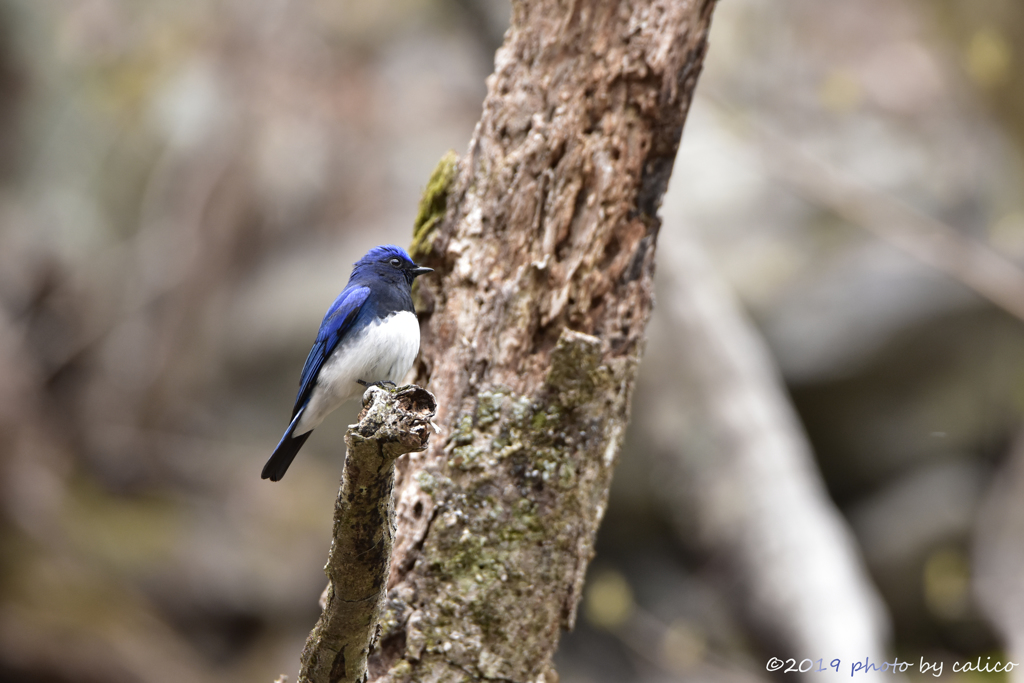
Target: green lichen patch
(433,205)
(466,457)
(427,482)
(546,421)
(462,433)
(576,369)
(517,467)
(488,407)
(392,617)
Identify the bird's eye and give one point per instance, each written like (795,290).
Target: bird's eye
(395,262)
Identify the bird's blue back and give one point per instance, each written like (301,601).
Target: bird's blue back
(379,288)
(372,292)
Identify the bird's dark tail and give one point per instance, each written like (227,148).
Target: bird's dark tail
(285,451)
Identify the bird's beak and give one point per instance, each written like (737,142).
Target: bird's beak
(420,270)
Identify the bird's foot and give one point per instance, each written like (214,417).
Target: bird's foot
(363,383)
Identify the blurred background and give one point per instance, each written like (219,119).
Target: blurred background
(185,184)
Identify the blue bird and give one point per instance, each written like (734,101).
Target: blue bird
(370,335)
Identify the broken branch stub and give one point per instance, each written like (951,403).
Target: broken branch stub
(391,424)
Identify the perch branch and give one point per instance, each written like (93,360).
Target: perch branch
(390,425)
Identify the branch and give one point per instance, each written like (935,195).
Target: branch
(981,268)
(998,554)
(391,424)
(740,473)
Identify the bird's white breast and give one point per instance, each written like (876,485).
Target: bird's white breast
(380,352)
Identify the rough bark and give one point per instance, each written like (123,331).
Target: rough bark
(390,425)
(543,239)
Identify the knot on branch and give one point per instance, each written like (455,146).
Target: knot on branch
(397,419)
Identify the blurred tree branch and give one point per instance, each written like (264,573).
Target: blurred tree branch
(739,475)
(390,425)
(999,553)
(971,262)
(543,241)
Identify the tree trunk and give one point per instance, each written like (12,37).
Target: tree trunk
(543,239)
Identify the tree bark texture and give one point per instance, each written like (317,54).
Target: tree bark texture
(390,425)
(543,239)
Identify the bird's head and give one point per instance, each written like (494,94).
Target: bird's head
(389,263)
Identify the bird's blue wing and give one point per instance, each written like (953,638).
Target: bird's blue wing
(340,316)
